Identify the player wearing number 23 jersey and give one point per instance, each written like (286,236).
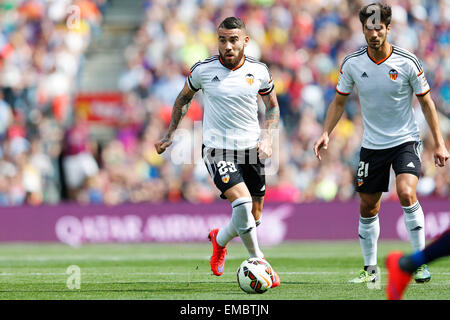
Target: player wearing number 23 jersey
(234,147)
(230,123)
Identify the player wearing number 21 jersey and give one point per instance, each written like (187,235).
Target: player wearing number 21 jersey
(387,79)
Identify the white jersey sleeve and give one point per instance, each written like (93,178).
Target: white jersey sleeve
(194,77)
(345,81)
(417,79)
(266,83)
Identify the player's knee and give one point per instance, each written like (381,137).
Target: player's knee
(406,195)
(369,209)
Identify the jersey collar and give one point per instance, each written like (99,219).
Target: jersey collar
(382,60)
(235,68)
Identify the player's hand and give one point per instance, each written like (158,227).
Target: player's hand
(264,149)
(441,156)
(162,145)
(322,142)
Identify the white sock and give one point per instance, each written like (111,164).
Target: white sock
(244,223)
(226,234)
(415,224)
(369,231)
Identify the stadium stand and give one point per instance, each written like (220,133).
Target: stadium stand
(42,65)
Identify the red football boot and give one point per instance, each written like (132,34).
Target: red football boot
(274,277)
(397,278)
(217,260)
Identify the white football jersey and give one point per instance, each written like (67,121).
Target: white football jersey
(385,89)
(230,116)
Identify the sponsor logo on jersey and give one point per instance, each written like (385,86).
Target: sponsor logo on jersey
(215,79)
(250,78)
(364,75)
(226,178)
(393,74)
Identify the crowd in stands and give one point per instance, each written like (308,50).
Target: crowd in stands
(47,156)
(42,46)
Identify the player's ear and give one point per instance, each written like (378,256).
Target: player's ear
(246,40)
(388,28)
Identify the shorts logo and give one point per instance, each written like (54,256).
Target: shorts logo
(393,74)
(226,178)
(360,182)
(411,165)
(250,78)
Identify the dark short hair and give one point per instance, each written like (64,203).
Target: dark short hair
(232,23)
(385,13)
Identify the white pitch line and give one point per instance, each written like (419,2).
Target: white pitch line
(181,273)
(103,258)
(149,273)
(156,257)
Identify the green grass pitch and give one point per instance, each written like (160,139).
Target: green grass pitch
(308,270)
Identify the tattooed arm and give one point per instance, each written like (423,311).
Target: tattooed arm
(180,108)
(270,124)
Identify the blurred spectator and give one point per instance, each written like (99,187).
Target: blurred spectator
(78,162)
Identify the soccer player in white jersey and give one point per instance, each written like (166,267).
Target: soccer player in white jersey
(234,146)
(386,77)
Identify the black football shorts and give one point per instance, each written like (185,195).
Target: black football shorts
(374,167)
(227,168)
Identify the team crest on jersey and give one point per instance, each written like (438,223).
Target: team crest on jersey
(226,178)
(250,78)
(393,74)
(360,182)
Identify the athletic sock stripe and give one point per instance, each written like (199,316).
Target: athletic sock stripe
(247,231)
(241,204)
(368,220)
(412,209)
(418,66)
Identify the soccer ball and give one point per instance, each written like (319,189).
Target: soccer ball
(254,275)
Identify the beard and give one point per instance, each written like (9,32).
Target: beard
(376,46)
(233,62)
